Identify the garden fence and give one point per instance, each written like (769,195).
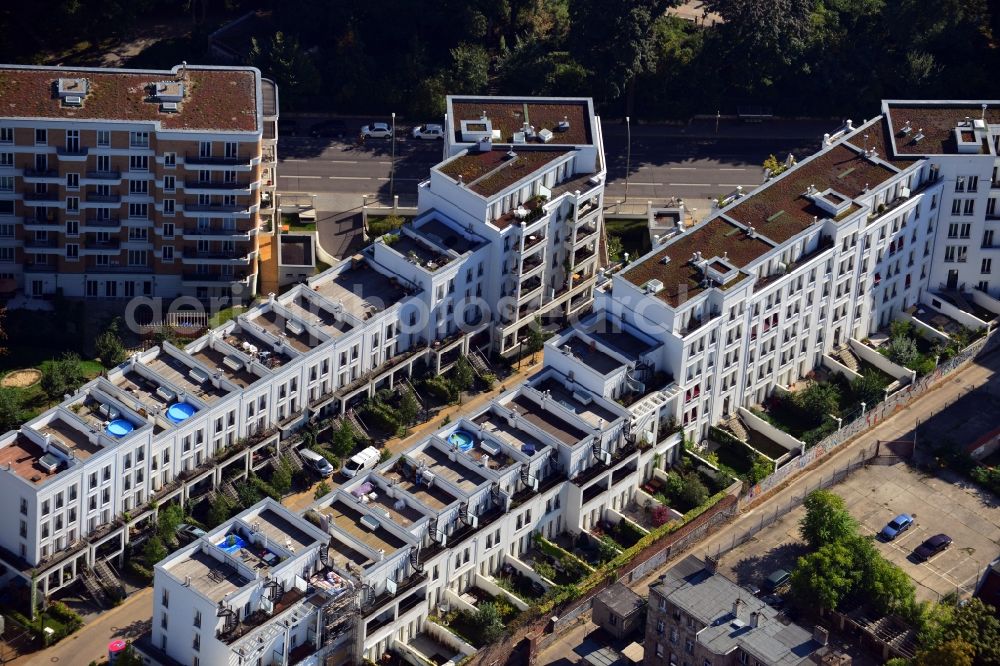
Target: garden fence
(863,422)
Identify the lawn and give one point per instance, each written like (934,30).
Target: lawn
(633,234)
(32,399)
(294,223)
(224,315)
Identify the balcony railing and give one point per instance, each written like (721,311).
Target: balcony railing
(51,197)
(102,223)
(104,198)
(212,159)
(75,151)
(34,222)
(214,277)
(110,244)
(214,185)
(32,243)
(105,175)
(216,208)
(41,173)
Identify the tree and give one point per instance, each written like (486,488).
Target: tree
(108,346)
(616,250)
(972,622)
(409,408)
(825,577)
(533,339)
(220,507)
(344,440)
(322,490)
(817,401)
(885,585)
(607,549)
(902,350)
(61,376)
(281,479)
(955,652)
(489,622)
(168,520)
(827,520)
(288,64)
(10,410)
(760,469)
(154,550)
(694,493)
(462,375)
(869,388)
(470,68)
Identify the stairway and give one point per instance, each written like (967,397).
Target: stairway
(230,491)
(109,579)
(294,461)
(353,419)
(847,357)
(95,589)
(478,363)
(734,425)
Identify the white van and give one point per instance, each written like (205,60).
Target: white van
(316,462)
(361,461)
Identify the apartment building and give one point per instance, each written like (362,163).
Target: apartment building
(880,220)
(117,183)
(698,617)
(526,175)
(250,591)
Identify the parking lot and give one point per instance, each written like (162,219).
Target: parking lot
(874,496)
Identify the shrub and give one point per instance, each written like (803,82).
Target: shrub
(902,350)
(154,550)
(140,571)
(322,490)
(281,479)
(108,346)
(694,493)
(545,570)
(378,227)
(384,454)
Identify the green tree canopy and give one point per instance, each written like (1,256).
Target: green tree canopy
(955,652)
(344,440)
(827,576)
(10,410)
(817,401)
(283,59)
(827,519)
(108,346)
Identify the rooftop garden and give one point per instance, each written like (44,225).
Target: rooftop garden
(739,460)
(908,348)
(687,486)
(621,535)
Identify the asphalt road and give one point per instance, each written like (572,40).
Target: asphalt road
(695,162)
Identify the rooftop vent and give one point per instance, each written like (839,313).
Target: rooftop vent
(49,462)
(563,125)
(919,136)
(72,87)
(511,154)
(73,100)
(169,107)
(168,91)
(370,522)
(653,286)
(906,128)
(545,135)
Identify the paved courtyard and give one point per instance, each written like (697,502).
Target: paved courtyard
(875,495)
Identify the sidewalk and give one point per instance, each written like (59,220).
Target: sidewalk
(90,643)
(897,426)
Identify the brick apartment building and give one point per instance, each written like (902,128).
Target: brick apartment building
(117,183)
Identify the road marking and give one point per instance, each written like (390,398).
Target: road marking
(398,179)
(732,169)
(682,168)
(343,161)
(348,177)
(293,159)
(647,184)
(690,184)
(735,185)
(282,175)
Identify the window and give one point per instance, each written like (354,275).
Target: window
(170,160)
(72,181)
(196,643)
(103,138)
(138,139)
(6,159)
(970,207)
(986,266)
(138,187)
(973,184)
(168,229)
(138,163)
(136,257)
(6,135)
(137,210)
(41,137)
(960,184)
(168,253)
(169,183)
(956,206)
(72,251)
(72,204)
(949,253)
(6,183)
(988,238)
(163,621)
(168,206)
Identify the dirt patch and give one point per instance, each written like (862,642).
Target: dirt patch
(21,378)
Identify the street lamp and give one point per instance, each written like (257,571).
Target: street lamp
(628,153)
(392,164)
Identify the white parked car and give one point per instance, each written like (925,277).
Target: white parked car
(376,131)
(428,132)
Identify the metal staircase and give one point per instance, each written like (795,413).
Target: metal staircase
(94,589)
(109,579)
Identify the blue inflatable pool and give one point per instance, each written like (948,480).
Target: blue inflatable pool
(232,543)
(180,411)
(119,428)
(461,439)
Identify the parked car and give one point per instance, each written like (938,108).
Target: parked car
(777,579)
(752,589)
(773,600)
(329,128)
(428,132)
(316,462)
(931,547)
(359,462)
(896,526)
(188,533)
(376,131)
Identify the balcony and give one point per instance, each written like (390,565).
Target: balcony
(582,255)
(105,175)
(531,263)
(224,234)
(234,258)
(213,160)
(216,208)
(111,244)
(74,151)
(38,175)
(215,278)
(41,224)
(102,224)
(39,244)
(34,267)
(585,232)
(42,197)
(529,287)
(215,185)
(104,198)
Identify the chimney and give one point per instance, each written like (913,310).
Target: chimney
(821,635)
(711,564)
(754,619)
(737,607)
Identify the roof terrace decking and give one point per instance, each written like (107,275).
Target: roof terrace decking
(142,389)
(433,497)
(565,432)
(74,440)
(440,464)
(591,412)
(245,341)
(443,235)
(179,374)
(275,324)
(420,254)
(516,438)
(209,576)
(21,457)
(341,553)
(348,520)
(621,341)
(362,291)
(591,356)
(402,514)
(312,312)
(214,360)
(280,531)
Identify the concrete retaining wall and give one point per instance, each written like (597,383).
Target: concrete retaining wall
(445,637)
(486,584)
(953,311)
(984,300)
(754,422)
(835,366)
(928,332)
(527,571)
(641,497)
(869,355)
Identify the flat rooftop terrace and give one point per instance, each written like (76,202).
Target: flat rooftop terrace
(440,464)
(179,374)
(21,457)
(681,280)
(420,253)
(433,497)
(213,359)
(397,511)
(442,234)
(621,341)
(593,413)
(311,311)
(515,438)
(509,116)
(592,357)
(73,439)
(280,530)
(348,520)
(362,291)
(275,324)
(142,389)
(566,433)
(487,173)
(209,576)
